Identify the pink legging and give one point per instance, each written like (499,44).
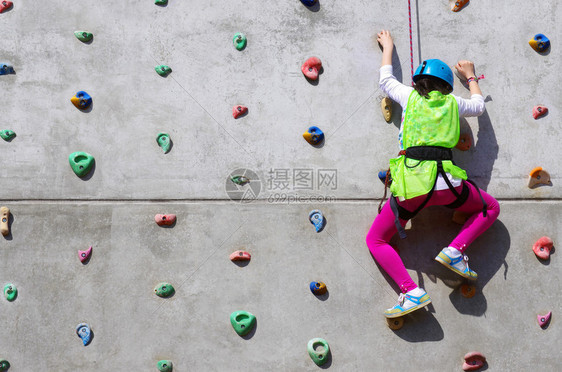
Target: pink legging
(383,229)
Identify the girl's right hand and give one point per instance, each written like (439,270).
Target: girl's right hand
(465,69)
(385,40)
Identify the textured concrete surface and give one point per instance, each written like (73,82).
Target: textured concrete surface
(55,213)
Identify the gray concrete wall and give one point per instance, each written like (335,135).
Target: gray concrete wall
(56,213)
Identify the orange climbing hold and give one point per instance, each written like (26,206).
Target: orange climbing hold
(468,290)
(538,176)
(542,247)
(465,142)
(458,5)
(473,361)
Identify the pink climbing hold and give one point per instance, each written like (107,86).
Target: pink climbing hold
(165,219)
(85,255)
(240,256)
(539,111)
(238,111)
(473,361)
(543,319)
(311,67)
(542,247)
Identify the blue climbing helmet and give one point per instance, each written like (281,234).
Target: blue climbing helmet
(435,68)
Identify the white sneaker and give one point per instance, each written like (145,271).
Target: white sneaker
(408,302)
(454,260)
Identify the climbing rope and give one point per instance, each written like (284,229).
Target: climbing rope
(411,43)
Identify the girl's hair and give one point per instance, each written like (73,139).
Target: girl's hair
(428,84)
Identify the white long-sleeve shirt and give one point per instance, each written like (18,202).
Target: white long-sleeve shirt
(400,93)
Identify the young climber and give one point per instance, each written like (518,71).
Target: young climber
(424,174)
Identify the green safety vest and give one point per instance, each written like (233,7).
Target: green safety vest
(427,122)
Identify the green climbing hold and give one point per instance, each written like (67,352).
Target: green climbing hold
(242,322)
(318,350)
(7,134)
(240,180)
(239,40)
(163,70)
(4,365)
(164,141)
(81,163)
(161,2)
(10,291)
(84,36)
(165,366)
(164,290)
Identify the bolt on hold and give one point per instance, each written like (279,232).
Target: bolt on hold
(314,136)
(165,366)
(10,292)
(544,319)
(165,219)
(163,70)
(238,111)
(81,100)
(84,332)
(239,41)
(4,365)
(311,68)
(7,134)
(4,223)
(318,349)
(539,43)
(5,5)
(317,219)
(538,176)
(242,322)
(6,69)
(85,255)
(539,111)
(84,36)
(458,5)
(240,256)
(164,290)
(542,247)
(473,361)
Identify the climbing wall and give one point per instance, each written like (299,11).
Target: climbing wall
(54,214)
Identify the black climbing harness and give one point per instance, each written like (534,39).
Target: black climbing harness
(437,154)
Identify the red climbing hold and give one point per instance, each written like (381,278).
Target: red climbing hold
(165,219)
(311,68)
(542,247)
(473,361)
(240,256)
(539,111)
(5,5)
(464,143)
(238,111)
(543,319)
(84,255)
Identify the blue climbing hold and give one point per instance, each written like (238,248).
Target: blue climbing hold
(317,219)
(81,100)
(6,69)
(314,136)
(539,43)
(84,332)
(309,2)
(318,288)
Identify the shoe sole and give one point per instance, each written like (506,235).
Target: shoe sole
(398,315)
(452,268)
